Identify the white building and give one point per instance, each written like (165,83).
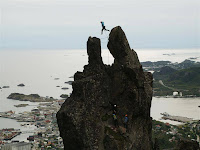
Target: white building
(175,93)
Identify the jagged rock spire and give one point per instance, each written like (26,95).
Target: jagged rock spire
(85,119)
(120,49)
(94,51)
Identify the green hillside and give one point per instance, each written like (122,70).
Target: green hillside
(168,80)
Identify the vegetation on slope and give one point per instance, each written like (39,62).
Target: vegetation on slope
(186,81)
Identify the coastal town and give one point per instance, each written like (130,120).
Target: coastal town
(46,134)
(168,135)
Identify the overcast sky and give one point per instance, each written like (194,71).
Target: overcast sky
(67,24)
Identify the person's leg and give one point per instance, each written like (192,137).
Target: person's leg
(106,29)
(115,123)
(102,31)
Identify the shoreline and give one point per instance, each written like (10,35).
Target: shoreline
(175,96)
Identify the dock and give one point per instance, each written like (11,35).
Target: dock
(166,116)
(9,133)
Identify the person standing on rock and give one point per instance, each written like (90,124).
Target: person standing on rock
(103,27)
(115,120)
(126,122)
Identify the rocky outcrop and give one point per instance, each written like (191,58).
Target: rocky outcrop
(69,82)
(21,105)
(85,119)
(64,96)
(21,85)
(187,145)
(65,88)
(6,87)
(121,51)
(31,97)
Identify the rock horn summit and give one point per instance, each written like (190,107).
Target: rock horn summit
(85,120)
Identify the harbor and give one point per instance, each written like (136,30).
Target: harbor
(43,117)
(9,133)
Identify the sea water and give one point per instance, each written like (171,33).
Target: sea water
(45,72)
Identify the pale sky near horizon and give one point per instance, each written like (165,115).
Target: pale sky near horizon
(67,24)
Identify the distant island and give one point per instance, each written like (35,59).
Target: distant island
(156,66)
(175,79)
(21,105)
(31,97)
(21,85)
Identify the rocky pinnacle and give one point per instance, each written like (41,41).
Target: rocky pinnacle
(85,120)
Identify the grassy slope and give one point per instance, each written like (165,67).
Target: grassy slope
(186,80)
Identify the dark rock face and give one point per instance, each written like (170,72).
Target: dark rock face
(85,120)
(187,145)
(94,51)
(120,49)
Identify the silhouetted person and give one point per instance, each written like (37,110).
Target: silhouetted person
(103,27)
(115,120)
(126,122)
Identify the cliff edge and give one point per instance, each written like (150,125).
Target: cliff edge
(86,121)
